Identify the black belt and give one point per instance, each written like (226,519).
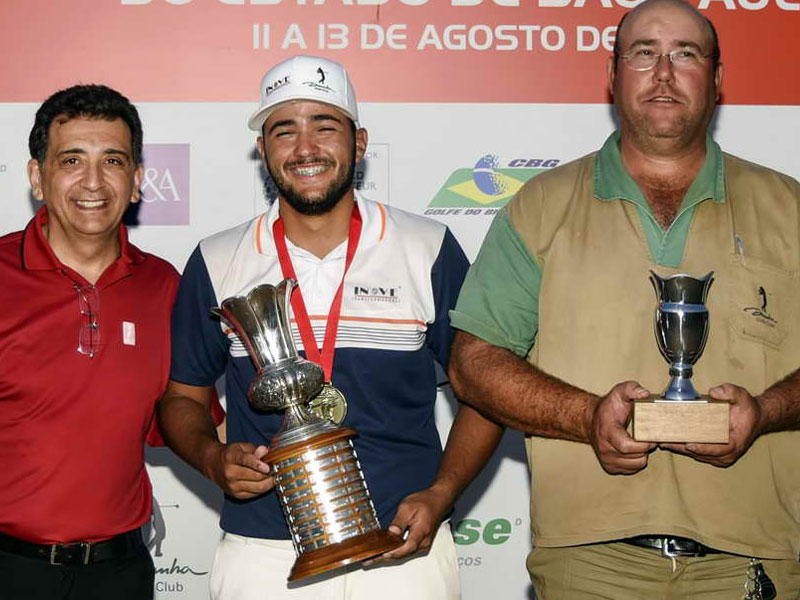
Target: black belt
(124,545)
(672,546)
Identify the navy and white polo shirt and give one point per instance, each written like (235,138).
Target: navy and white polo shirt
(403,280)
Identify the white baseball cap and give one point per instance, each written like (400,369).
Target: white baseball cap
(305,78)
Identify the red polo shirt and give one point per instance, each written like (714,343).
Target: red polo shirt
(73,427)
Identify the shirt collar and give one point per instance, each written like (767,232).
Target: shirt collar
(37,255)
(373,225)
(612,181)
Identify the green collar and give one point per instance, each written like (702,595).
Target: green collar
(612,181)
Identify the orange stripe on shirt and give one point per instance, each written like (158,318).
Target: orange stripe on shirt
(369,320)
(383,220)
(259,247)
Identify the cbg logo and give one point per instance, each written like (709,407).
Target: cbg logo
(487,186)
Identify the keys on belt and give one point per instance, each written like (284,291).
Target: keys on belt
(672,547)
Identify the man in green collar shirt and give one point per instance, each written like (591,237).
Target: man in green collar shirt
(556,340)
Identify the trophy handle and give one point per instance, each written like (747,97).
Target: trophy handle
(658,284)
(707,281)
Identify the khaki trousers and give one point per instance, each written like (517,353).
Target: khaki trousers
(256,569)
(619,571)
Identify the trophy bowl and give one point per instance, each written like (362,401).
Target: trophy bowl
(681,414)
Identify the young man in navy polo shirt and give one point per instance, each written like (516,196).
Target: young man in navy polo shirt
(84,320)
(397,288)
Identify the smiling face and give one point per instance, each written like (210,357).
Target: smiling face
(310,152)
(665,104)
(87,179)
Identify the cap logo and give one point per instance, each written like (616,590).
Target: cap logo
(318,87)
(275,85)
(321,76)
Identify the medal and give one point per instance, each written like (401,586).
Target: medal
(329,404)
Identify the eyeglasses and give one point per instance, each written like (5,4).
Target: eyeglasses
(684,59)
(89,333)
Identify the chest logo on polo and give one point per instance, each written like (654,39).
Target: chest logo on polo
(377,293)
(760,313)
(128,333)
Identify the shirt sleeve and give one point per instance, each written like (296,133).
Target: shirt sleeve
(499,301)
(447,275)
(199,348)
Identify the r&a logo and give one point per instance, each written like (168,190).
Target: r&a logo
(165,185)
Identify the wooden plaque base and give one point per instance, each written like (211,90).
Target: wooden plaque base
(361,547)
(701,421)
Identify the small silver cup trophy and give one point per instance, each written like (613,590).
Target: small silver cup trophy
(318,478)
(681,326)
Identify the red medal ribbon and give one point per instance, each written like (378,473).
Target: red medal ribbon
(324,358)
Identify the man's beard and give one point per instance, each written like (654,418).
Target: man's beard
(329,199)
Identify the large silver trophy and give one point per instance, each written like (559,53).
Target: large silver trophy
(680,414)
(318,478)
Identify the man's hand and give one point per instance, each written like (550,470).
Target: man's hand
(745,422)
(239,470)
(617,451)
(419,515)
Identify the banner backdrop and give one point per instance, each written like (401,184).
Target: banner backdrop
(464,100)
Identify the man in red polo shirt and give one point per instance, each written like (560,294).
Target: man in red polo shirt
(84,324)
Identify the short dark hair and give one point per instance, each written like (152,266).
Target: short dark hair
(87,101)
(716,53)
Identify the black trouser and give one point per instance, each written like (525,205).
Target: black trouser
(129,578)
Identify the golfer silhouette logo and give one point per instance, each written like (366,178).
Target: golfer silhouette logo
(157,530)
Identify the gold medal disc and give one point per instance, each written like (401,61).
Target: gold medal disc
(329,404)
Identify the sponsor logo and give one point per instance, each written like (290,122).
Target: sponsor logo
(177,568)
(475,535)
(155,534)
(486,187)
(165,185)
(371,176)
(760,313)
(493,533)
(319,85)
(376,293)
(278,83)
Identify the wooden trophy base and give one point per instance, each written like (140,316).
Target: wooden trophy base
(361,547)
(704,421)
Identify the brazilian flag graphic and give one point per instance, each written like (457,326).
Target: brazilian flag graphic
(485,185)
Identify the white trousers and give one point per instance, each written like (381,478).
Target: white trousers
(256,569)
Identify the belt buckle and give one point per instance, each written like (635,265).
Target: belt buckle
(53,552)
(669,549)
(86,549)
